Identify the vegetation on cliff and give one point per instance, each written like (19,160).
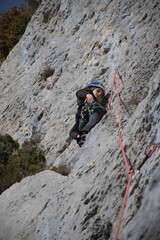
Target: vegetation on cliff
(13,24)
(18,162)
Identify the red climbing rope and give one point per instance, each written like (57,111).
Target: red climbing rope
(125,160)
(119,131)
(148,152)
(108,105)
(122,149)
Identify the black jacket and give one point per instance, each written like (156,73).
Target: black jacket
(81,96)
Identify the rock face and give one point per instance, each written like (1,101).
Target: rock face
(68,44)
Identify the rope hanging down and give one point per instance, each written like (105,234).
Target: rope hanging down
(125,160)
(148,153)
(122,149)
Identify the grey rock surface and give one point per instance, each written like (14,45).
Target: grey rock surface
(66,45)
(146,224)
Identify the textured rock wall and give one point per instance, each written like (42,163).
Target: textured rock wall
(66,45)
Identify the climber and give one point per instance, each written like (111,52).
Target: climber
(91,108)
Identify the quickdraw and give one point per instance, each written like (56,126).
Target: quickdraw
(150,149)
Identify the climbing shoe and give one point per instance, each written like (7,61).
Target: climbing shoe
(81,139)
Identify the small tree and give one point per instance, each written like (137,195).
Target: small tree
(13,24)
(28,160)
(17,163)
(7,147)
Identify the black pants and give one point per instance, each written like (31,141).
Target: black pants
(86,126)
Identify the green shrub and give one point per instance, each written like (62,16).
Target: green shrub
(7,147)
(62,169)
(17,163)
(28,160)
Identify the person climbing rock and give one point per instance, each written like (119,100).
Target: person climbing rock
(91,102)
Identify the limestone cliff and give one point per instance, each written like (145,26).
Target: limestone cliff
(66,45)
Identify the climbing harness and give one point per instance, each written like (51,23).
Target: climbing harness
(151,147)
(86,112)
